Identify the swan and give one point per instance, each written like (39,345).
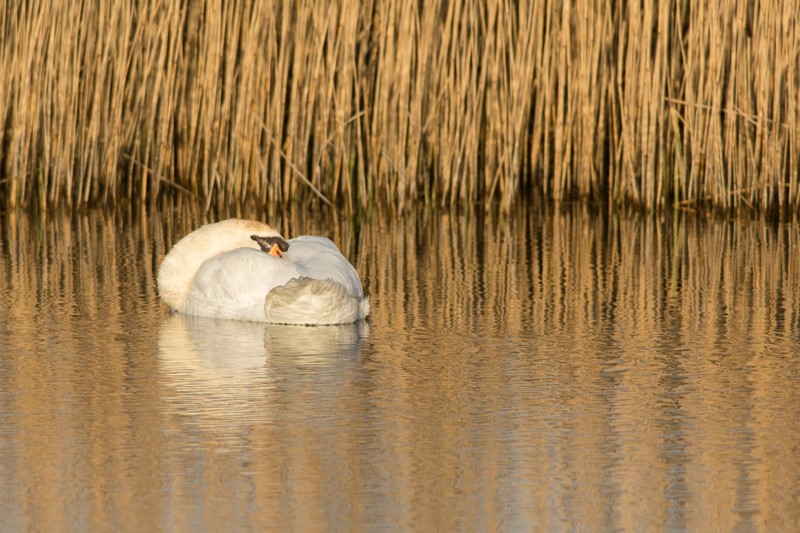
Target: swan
(244,270)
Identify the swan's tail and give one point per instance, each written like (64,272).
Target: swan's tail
(314,301)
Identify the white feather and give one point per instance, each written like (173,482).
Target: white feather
(313,283)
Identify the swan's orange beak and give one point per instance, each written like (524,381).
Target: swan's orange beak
(275,251)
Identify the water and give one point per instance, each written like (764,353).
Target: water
(547,371)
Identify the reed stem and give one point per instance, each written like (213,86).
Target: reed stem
(653,104)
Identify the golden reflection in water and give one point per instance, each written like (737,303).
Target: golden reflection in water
(547,371)
(670,347)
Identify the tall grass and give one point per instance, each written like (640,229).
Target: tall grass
(651,103)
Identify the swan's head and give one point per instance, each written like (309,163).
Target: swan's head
(182,262)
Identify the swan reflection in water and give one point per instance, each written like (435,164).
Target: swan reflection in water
(223,374)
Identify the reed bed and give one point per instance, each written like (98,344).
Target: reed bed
(674,103)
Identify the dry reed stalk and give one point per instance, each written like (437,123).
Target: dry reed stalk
(384,101)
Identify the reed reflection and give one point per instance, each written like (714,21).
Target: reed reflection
(640,362)
(548,370)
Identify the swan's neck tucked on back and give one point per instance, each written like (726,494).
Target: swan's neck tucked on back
(182,262)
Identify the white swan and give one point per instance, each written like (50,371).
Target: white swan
(244,270)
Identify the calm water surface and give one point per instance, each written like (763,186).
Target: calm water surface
(543,372)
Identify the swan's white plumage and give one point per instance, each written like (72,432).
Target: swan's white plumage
(219,271)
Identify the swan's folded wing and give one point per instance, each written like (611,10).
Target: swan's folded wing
(311,301)
(234,284)
(319,258)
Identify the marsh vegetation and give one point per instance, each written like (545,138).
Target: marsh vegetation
(674,103)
